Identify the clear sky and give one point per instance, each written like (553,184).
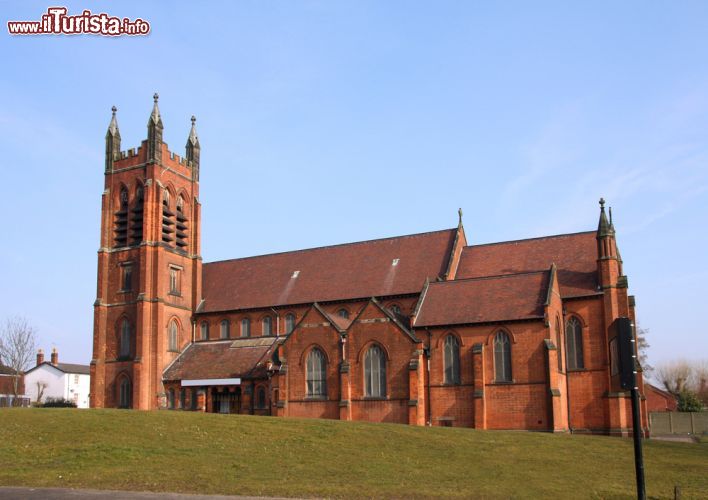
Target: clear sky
(324,122)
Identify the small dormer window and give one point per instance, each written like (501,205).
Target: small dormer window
(395,262)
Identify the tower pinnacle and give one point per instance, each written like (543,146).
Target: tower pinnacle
(603,227)
(193,149)
(112,140)
(154,141)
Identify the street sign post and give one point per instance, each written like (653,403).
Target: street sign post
(628,380)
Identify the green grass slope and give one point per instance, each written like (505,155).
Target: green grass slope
(229,454)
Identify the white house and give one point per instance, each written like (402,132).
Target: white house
(58,380)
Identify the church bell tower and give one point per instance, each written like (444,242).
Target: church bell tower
(149,266)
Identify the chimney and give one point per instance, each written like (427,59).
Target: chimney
(40,357)
(55,356)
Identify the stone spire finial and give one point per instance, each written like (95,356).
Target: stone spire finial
(459,215)
(193,149)
(193,138)
(155,115)
(154,139)
(112,140)
(603,227)
(113,126)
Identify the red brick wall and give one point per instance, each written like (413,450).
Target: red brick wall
(522,404)
(658,400)
(150,306)
(314,331)
(371,327)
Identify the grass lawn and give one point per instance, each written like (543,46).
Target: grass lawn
(229,454)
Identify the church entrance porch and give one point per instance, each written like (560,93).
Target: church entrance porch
(226,399)
(222,395)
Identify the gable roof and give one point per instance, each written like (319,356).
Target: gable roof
(575,256)
(348,271)
(240,358)
(483,300)
(74,368)
(68,368)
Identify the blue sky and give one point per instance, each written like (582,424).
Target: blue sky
(324,122)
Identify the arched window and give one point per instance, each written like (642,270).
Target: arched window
(168,219)
(316,378)
(121,224)
(452,360)
(267,326)
(261,398)
(289,323)
(343,313)
(574,344)
(559,348)
(245,327)
(124,393)
(502,357)
(181,224)
(375,373)
(124,339)
(204,330)
(224,329)
(171,399)
(172,336)
(137,216)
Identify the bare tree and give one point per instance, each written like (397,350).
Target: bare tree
(675,376)
(18,344)
(40,390)
(642,350)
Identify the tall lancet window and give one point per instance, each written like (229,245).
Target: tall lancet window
(452,360)
(375,373)
(181,225)
(574,344)
(502,357)
(121,217)
(316,374)
(172,336)
(136,219)
(168,221)
(125,339)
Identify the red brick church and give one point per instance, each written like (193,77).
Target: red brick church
(423,329)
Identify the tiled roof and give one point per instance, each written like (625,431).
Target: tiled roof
(6,370)
(222,359)
(354,270)
(482,300)
(575,256)
(69,368)
(74,369)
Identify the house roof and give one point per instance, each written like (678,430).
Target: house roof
(241,358)
(70,368)
(6,370)
(481,300)
(74,368)
(390,266)
(575,256)
(660,391)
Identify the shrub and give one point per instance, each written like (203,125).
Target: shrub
(688,401)
(58,403)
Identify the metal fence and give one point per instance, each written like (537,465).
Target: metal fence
(672,422)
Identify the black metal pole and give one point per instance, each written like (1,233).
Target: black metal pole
(638,458)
